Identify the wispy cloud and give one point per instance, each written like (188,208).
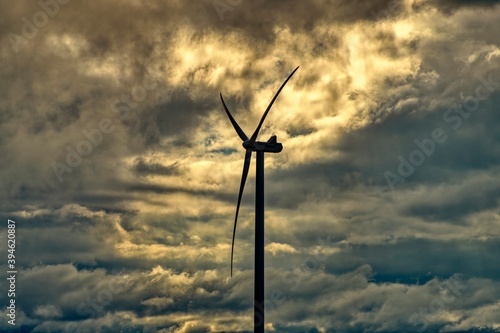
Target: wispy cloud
(136,236)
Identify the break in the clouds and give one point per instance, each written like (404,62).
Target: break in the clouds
(121,170)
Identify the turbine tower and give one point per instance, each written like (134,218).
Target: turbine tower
(250,145)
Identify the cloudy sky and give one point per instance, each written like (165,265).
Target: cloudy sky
(121,169)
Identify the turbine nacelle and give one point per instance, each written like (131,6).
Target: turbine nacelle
(271,146)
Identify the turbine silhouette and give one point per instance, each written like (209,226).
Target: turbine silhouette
(250,145)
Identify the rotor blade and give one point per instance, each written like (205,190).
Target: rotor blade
(240,132)
(246,166)
(254,135)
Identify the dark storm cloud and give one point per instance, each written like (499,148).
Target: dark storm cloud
(379,148)
(473,197)
(144,168)
(297,15)
(60,103)
(182,112)
(150,201)
(420,257)
(453,5)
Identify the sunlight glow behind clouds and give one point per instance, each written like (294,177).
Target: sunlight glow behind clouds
(156,199)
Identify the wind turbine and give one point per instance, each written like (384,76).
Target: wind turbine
(250,145)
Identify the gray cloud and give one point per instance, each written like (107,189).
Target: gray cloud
(147,197)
